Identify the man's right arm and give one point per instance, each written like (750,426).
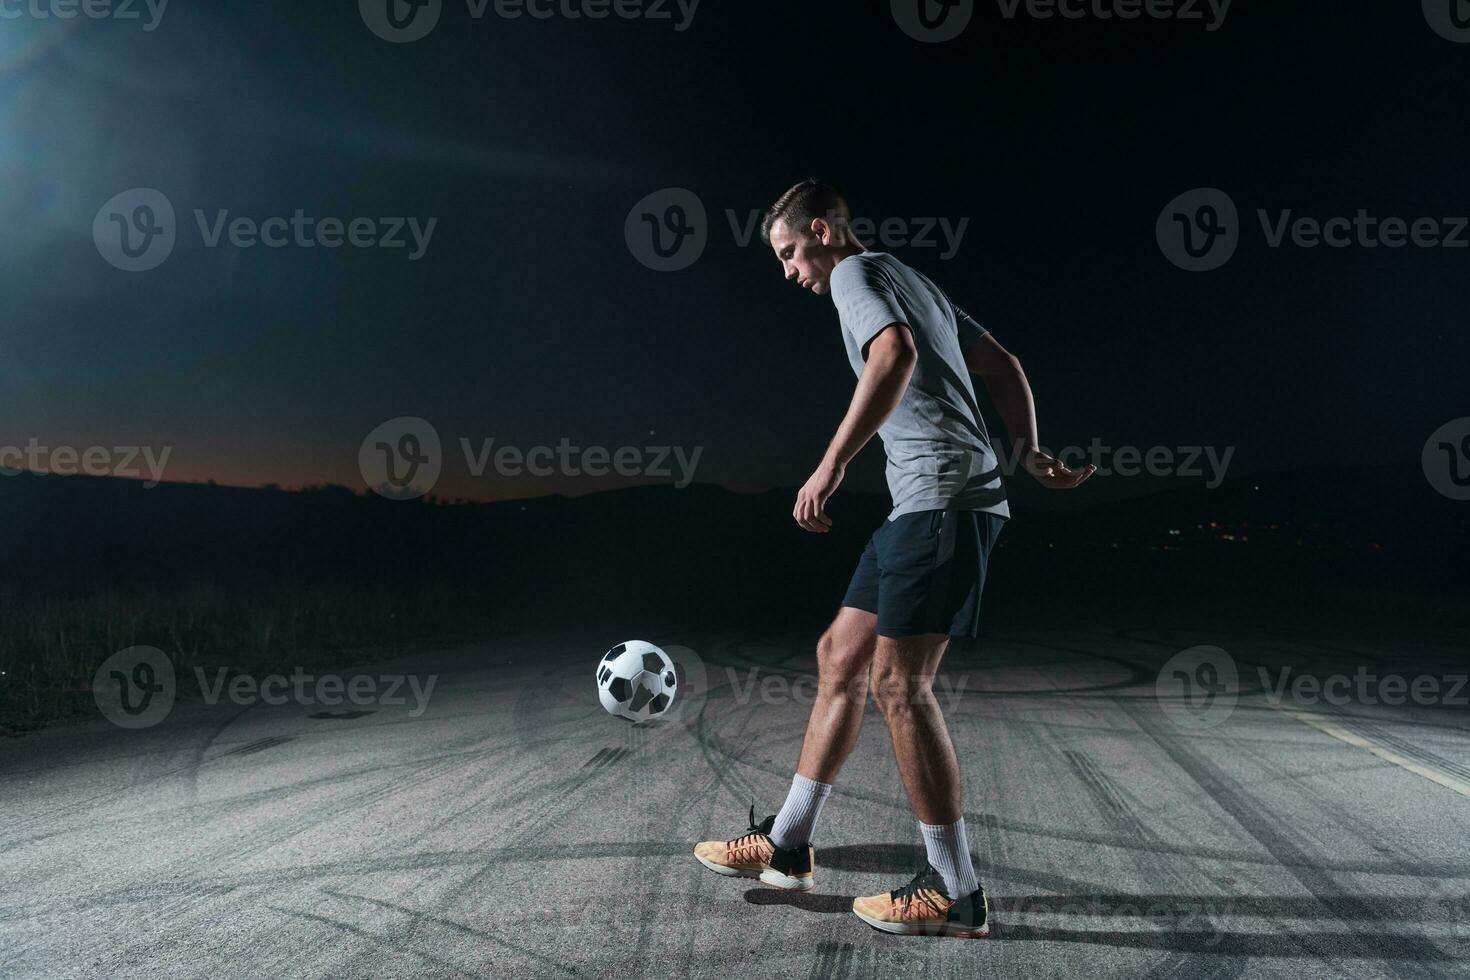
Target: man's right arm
(1010,392)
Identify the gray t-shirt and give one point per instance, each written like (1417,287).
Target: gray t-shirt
(939,454)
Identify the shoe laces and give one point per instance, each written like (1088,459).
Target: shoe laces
(917,897)
(744,847)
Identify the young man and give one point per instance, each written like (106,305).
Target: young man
(919,581)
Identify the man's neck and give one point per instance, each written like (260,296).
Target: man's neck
(845,252)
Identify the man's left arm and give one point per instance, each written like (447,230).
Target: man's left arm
(891,356)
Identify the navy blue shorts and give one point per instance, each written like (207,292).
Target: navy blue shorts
(924,572)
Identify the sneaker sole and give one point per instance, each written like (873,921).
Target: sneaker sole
(768,876)
(935,929)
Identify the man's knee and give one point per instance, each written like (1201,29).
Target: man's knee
(842,661)
(896,690)
(902,675)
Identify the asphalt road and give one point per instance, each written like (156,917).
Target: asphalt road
(512,829)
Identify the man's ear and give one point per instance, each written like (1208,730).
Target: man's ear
(821,230)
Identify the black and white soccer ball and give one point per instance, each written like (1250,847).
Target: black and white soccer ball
(635,680)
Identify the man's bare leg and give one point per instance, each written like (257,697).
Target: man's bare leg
(844,654)
(903,685)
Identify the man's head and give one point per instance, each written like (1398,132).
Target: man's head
(810,230)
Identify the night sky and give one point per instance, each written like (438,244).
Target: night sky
(529,320)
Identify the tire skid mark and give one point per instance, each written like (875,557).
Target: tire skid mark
(419,916)
(1250,816)
(1198,916)
(197,811)
(385,943)
(713,745)
(1108,798)
(995,844)
(47,818)
(832,962)
(605,758)
(1398,743)
(259,745)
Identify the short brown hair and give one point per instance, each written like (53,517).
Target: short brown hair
(809,199)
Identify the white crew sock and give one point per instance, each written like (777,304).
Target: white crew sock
(798,817)
(949,853)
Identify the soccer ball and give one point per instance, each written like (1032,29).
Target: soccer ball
(635,680)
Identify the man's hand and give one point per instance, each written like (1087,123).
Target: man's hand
(1053,473)
(811,501)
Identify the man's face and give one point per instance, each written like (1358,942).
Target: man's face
(807,257)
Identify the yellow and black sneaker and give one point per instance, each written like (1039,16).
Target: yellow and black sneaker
(923,908)
(754,855)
